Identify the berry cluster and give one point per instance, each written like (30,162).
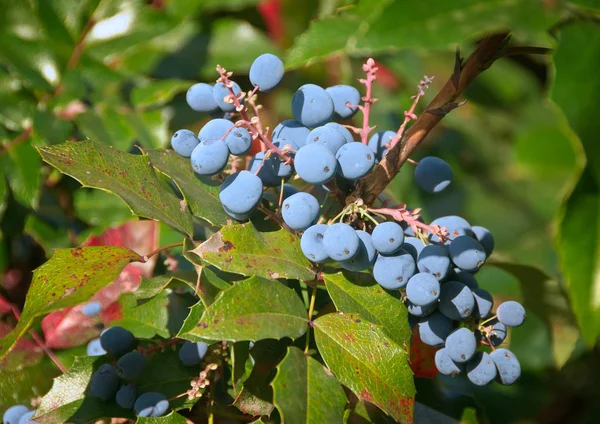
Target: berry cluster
(118,381)
(433,264)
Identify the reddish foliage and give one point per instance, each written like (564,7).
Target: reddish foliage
(5,306)
(25,352)
(422,357)
(386,77)
(270,11)
(69,327)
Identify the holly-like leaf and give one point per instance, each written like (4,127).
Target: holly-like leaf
(70,277)
(243,249)
(69,399)
(126,175)
(241,365)
(172,418)
(155,93)
(368,362)
(360,293)
(304,392)
(200,193)
(251,309)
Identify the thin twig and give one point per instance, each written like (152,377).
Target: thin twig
(160,249)
(21,138)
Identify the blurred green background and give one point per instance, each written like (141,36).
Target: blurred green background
(524,147)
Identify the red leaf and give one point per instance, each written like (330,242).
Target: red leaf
(270,11)
(69,327)
(422,357)
(25,352)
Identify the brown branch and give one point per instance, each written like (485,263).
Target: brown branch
(80,46)
(482,58)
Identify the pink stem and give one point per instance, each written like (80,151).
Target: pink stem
(400,213)
(410,114)
(371,70)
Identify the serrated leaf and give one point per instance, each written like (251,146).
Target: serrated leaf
(242,249)
(251,309)
(172,418)
(189,325)
(241,365)
(304,392)
(126,175)
(384,25)
(210,286)
(69,278)
(69,399)
(368,362)
(156,93)
(359,293)
(200,193)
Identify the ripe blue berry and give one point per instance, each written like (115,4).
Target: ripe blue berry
(509,368)
(14,414)
(420,311)
(200,98)
(290,131)
(184,142)
(210,157)
(445,365)
(151,404)
(379,141)
(131,365)
(315,164)
(413,245)
(484,236)
(456,300)
(393,271)
(311,243)
(467,253)
(511,313)
(484,302)
(355,160)
(461,345)
(117,341)
(388,237)
(91,309)
(300,211)
(126,396)
(220,91)
(239,141)
(270,169)
(434,260)
(433,174)
(104,382)
(214,129)
(455,225)
(26,418)
(497,334)
(342,129)
(434,328)
(341,242)
(365,256)
(481,369)
(312,106)
(192,353)
(240,193)
(94,348)
(423,289)
(342,94)
(327,136)
(266,72)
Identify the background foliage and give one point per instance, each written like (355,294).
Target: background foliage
(524,149)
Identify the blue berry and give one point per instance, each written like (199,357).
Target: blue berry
(131,365)
(456,300)
(151,404)
(266,72)
(434,260)
(220,91)
(341,242)
(387,237)
(395,270)
(420,311)
(467,253)
(461,345)
(192,353)
(455,225)
(434,328)
(91,309)
(241,192)
(315,164)
(239,141)
(378,142)
(270,169)
(342,94)
(210,157)
(104,382)
(497,334)
(327,136)
(484,302)
(184,142)
(94,348)
(433,174)
(14,414)
(312,106)
(464,277)
(484,236)
(200,98)
(423,289)
(26,418)
(413,245)
(481,369)
(214,129)
(511,313)
(300,211)
(509,368)
(311,243)
(445,365)
(365,256)
(117,341)
(355,160)
(343,130)
(290,131)
(288,190)
(126,396)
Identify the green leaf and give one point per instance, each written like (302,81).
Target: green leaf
(576,61)
(100,208)
(69,278)
(359,293)
(201,194)
(235,57)
(156,93)
(172,418)
(52,129)
(388,25)
(251,309)
(210,286)
(18,385)
(304,392)
(126,175)
(242,249)
(241,365)
(368,362)
(69,400)
(23,165)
